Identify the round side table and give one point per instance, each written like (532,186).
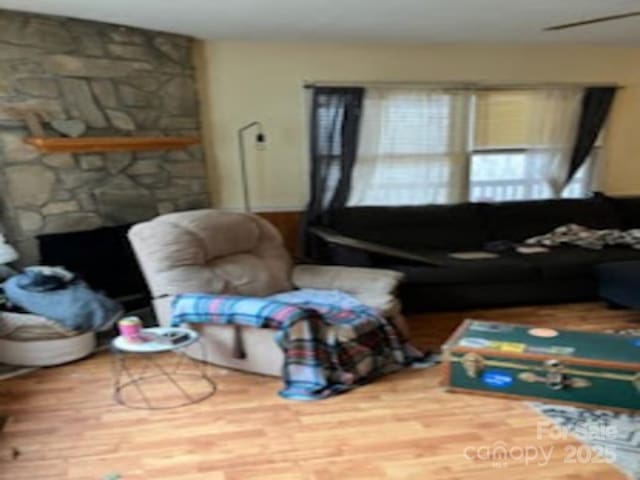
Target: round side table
(156,373)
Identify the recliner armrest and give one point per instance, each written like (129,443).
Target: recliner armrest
(348,279)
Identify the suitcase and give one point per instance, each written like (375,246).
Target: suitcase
(559,366)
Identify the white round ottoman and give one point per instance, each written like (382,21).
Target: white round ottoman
(32,341)
(46,353)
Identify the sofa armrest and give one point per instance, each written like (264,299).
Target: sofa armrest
(333,237)
(348,279)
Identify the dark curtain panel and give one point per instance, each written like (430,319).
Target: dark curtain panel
(595,108)
(335,124)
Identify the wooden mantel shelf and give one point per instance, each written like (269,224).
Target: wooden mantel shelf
(108,144)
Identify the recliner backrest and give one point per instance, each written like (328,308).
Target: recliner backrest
(211,251)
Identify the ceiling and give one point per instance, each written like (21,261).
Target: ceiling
(414,21)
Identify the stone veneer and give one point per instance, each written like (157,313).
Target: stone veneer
(119,81)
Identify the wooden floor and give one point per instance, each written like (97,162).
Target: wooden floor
(64,424)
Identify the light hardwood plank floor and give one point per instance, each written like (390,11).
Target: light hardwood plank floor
(64,424)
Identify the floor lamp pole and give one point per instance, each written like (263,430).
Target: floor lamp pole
(243,160)
(238,345)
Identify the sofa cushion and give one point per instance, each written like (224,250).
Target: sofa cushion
(420,298)
(493,270)
(569,262)
(619,254)
(422,227)
(628,209)
(563,262)
(517,221)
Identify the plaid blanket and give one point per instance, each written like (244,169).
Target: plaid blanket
(327,350)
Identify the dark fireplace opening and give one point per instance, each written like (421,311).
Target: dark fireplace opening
(103,258)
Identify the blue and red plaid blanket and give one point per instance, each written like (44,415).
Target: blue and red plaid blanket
(327,349)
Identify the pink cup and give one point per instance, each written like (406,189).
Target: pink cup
(130,328)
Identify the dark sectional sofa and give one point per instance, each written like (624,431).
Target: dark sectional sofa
(440,282)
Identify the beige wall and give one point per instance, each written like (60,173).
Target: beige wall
(263,81)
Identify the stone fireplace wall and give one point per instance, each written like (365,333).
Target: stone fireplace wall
(119,81)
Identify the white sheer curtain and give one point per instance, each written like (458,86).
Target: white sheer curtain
(413,147)
(552,131)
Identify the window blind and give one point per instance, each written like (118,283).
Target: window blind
(501,119)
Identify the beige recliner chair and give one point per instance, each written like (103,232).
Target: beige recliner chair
(210,251)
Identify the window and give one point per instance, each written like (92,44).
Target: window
(501,168)
(499,176)
(412,148)
(423,146)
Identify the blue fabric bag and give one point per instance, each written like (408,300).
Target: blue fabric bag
(66,300)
